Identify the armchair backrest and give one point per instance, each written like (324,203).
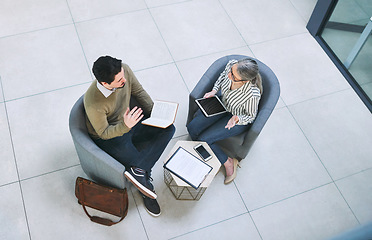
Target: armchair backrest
(96,163)
(269,98)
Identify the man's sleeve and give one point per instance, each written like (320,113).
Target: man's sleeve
(104,130)
(138,92)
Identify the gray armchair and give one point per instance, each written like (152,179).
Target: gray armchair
(239,146)
(96,163)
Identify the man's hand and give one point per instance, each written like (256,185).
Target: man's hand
(132,117)
(232,122)
(210,94)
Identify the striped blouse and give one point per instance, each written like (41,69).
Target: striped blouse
(243,101)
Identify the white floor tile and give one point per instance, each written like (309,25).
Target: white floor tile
(99,8)
(342,133)
(303,69)
(42,61)
(53,211)
(305,8)
(8,167)
(318,214)
(18,16)
(132,37)
(157,3)
(240,227)
(280,19)
(39,128)
(193,29)
(193,69)
(280,164)
(280,103)
(1,92)
(357,190)
(12,214)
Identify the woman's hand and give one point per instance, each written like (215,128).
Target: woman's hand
(210,94)
(232,122)
(132,117)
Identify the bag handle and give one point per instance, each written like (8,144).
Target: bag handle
(96,219)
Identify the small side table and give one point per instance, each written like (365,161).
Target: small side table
(180,189)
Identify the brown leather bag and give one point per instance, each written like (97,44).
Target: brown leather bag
(106,199)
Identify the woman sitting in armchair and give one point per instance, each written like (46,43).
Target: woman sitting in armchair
(241,88)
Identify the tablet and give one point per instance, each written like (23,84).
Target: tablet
(211,106)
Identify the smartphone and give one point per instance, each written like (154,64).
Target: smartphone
(203,153)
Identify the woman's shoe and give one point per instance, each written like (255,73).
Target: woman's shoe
(230,178)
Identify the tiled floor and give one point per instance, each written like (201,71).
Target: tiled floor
(308,176)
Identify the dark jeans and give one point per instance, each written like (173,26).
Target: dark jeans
(141,147)
(212,129)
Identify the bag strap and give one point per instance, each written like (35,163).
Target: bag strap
(96,219)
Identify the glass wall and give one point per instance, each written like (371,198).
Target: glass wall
(343,28)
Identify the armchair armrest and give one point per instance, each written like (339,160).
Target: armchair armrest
(100,166)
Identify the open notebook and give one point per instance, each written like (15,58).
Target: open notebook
(163,114)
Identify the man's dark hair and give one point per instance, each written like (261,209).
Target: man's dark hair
(105,68)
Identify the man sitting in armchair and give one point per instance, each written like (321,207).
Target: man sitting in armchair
(115,128)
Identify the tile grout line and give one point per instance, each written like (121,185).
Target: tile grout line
(292,196)
(210,225)
(78,36)
(298,11)
(174,61)
(47,173)
(139,214)
(127,12)
(36,30)
(342,195)
(248,45)
(320,96)
(312,147)
(9,183)
(15,161)
(62,169)
(165,43)
(280,38)
(208,54)
(45,92)
(250,215)
(353,174)
(168,4)
(139,70)
(71,23)
(237,29)
(87,20)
